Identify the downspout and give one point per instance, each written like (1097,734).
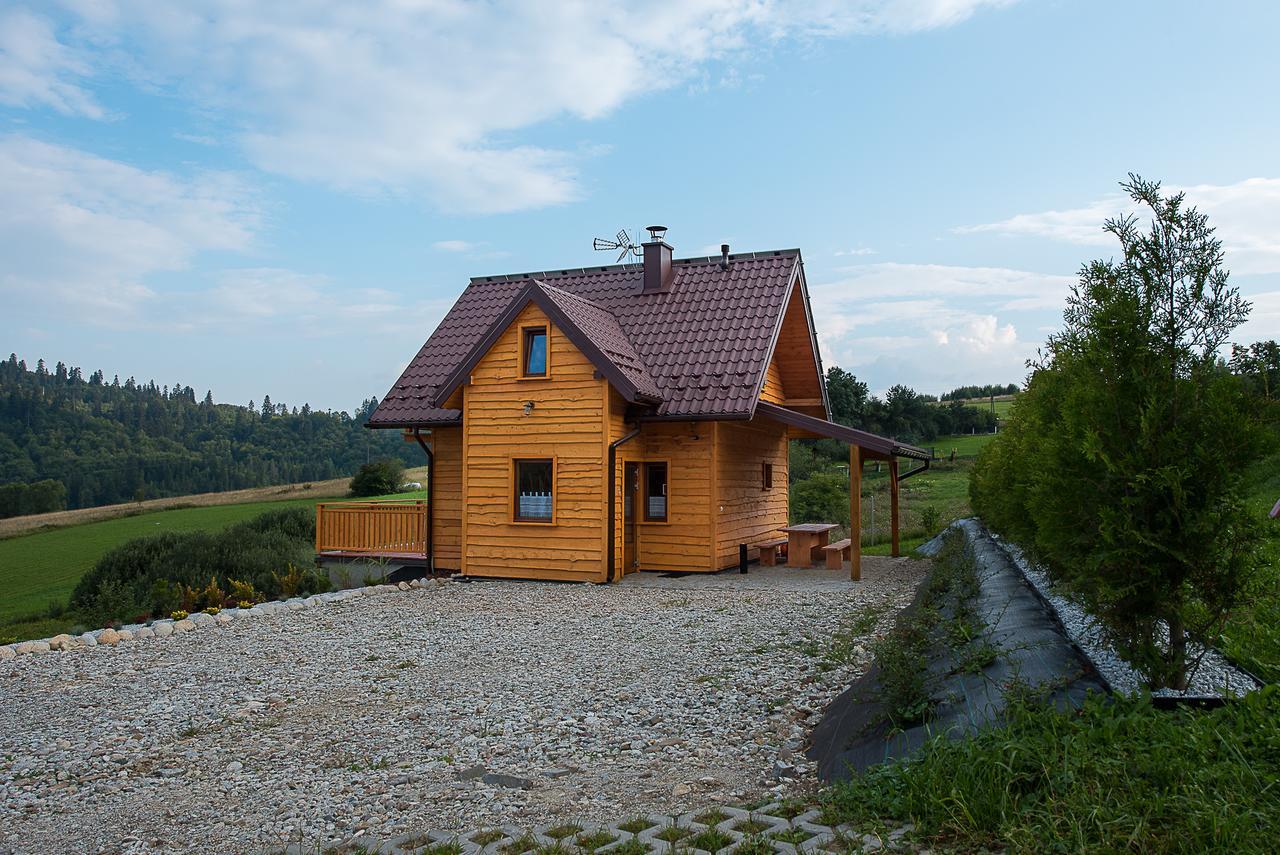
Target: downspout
(923,468)
(431,497)
(613,498)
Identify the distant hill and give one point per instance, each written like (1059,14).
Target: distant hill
(71,442)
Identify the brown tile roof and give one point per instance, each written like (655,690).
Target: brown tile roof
(703,345)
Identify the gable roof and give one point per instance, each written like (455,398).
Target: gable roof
(704,345)
(592,330)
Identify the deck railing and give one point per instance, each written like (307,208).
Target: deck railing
(371,527)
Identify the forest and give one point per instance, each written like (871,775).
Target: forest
(67,441)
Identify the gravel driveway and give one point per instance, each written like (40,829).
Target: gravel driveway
(453,707)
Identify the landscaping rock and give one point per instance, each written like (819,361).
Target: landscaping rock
(6,652)
(64,642)
(184,625)
(124,635)
(144,632)
(223,618)
(201,619)
(88,639)
(109,637)
(162,628)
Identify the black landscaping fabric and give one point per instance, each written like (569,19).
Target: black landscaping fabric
(855,734)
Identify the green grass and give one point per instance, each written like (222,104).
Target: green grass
(1252,634)
(965,445)
(41,569)
(1117,776)
(944,487)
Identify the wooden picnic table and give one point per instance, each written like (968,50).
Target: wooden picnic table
(805,542)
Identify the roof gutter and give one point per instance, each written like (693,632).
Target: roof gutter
(613,499)
(431,497)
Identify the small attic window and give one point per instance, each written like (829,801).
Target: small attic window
(534,352)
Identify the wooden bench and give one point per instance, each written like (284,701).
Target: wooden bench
(837,553)
(769,551)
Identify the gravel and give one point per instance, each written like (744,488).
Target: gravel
(1214,678)
(448,706)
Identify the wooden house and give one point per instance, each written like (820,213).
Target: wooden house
(584,424)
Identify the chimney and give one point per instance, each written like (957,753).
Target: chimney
(658,274)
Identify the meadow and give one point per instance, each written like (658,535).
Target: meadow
(39,570)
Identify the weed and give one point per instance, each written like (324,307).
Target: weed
(523,843)
(672,834)
(591,841)
(710,840)
(560,832)
(754,845)
(484,838)
(794,836)
(635,825)
(750,826)
(715,816)
(630,847)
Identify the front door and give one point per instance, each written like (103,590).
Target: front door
(630,496)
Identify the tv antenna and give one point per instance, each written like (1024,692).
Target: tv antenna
(621,242)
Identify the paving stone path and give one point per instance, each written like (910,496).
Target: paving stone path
(459,707)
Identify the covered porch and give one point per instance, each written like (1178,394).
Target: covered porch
(863,446)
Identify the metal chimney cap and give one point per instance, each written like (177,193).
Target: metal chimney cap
(656,232)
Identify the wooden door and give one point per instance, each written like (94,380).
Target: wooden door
(630,500)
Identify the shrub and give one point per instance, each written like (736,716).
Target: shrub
(1120,469)
(190,571)
(821,498)
(378,478)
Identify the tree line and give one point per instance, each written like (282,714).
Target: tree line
(964,393)
(70,441)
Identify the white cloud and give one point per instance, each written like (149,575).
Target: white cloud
(454,246)
(862,250)
(38,70)
(1246,215)
(422,98)
(85,232)
(933,326)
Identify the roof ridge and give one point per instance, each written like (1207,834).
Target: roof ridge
(613,268)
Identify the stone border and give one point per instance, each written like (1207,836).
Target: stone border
(166,627)
(476,842)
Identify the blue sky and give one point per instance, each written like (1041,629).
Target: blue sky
(285,201)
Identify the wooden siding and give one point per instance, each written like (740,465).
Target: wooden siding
(566,424)
(446,509)
(747,512)
(372,527)
(684,541)
(797,365)
(773,392)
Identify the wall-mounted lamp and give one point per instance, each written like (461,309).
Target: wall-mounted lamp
(528,407)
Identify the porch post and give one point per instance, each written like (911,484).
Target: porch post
(893,503)
(855,513)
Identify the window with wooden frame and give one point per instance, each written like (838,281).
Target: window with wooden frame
(655,492)
(766,476)
(533,351)
(534,490)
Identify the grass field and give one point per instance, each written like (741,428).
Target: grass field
(42,568)
(944,487)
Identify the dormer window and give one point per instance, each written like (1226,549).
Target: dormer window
(534,352)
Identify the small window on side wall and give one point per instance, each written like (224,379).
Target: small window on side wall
(534,493)
(766,476)
(655,492)
(534,352)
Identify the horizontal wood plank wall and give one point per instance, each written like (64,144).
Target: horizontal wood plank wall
(748,513)
(446,519)
(565,424)
(685,540)
(773,392)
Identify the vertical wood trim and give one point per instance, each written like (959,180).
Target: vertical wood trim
(855,513)
(893,503)
(466,487)
(714,508)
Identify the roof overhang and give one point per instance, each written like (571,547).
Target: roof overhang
(873,444)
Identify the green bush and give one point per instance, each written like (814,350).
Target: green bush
(378,478)
(194,570)
(1121,466)
(1116,776)
(823,497)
